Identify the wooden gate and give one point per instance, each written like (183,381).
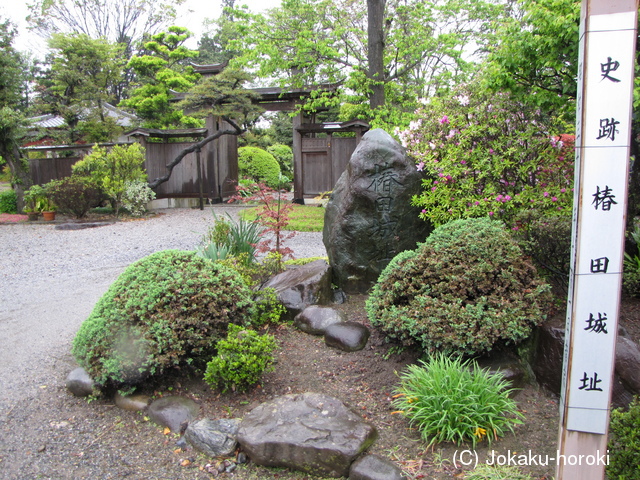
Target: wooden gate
(323,161)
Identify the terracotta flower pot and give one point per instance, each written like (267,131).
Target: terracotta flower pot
(49,216)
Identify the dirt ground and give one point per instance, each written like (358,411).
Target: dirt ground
(58,436)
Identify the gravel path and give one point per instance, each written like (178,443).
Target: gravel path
(50,279)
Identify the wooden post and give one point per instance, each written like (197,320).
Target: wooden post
(201,190)
(603,129)
(298,174)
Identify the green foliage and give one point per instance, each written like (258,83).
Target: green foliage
(535,55)
(231,238)
(624,443)
(497,472)
(136,196)
(8,202)
(631,270)
(84,73)
(114,170)
(36,199)
(259,165)
(449,400)
(284,155)
(547,241)
(75,195)
(163,70)
(269,310)
(488,155)
(166,310)
(465,289)
(241,360)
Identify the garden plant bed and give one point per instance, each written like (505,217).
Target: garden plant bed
(63,437)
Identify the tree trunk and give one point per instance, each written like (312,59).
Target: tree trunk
(375,35)
(20,177)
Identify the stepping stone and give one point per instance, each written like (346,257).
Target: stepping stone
(310,432)
(216,438)
(132,403)
(316,319)
(347,336)
(173,412)
(374,467)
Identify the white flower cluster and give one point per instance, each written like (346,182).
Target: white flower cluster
(136,196)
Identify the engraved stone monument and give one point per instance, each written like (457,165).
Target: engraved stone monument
(369,218)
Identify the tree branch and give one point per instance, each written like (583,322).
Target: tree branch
(237,130)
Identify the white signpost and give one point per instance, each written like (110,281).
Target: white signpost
(603,130)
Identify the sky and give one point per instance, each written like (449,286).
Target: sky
(195,11)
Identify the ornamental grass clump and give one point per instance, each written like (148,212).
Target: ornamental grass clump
(451,400)
(467,289)
(164,311)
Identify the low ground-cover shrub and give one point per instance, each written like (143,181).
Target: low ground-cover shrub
(624,443)
(465,289)
(8,202)
(166,310)
(449,400)
(241,360)
(75,195)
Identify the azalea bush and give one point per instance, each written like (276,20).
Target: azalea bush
(486,154)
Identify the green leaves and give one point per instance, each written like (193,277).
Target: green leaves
(465,290)
(450,400)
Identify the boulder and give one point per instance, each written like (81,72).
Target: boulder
(369,218)
(173,412)
(310,432)
(80,383)
(216,438)
(347,336)
(374,467)
(628,364)
(303,285)
(547,364)
(315,319)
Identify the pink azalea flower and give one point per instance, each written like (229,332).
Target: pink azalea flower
(444,119)
(420,166)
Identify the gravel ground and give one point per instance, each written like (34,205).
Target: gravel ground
(50,279)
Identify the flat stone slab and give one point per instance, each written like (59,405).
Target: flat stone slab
(81,226)
(316,319)
(347,336)
(310,432)
(375,467)
(173,412)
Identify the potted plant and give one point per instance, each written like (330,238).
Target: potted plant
(37,202)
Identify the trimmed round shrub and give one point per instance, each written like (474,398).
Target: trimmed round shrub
(75,195)
(466,289)
(259,165)
(163,311)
